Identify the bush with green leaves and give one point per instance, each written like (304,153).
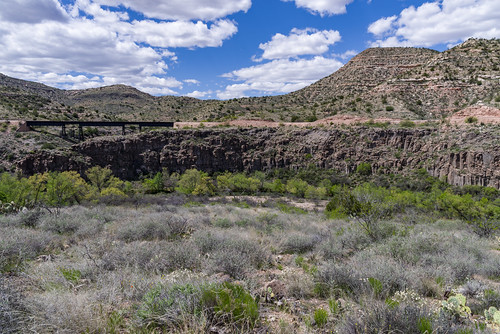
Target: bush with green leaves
(238,183)
(195,182)
(182,305)
(365,205)
(364,168)
(297,187)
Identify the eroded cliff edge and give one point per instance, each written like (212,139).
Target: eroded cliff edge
(470,156)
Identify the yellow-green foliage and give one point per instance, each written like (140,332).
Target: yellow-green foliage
(238,182)
(195,182)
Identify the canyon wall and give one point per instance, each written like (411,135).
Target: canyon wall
(462,157)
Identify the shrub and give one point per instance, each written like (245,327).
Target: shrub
(471,120)
(299,243)
(407,124)
(380,318)
(364,168)
(196,183)
(389,108)
(365,205)
(181,306)
(296,187)
(18,245)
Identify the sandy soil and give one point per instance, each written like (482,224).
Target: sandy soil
(484,114)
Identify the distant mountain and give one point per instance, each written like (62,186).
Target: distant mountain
(413,83)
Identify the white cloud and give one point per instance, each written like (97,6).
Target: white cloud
(192,81)
(381,26)
(323,7)
(181,33)
(279,76)
(31,11)
(183,9)
(299,42)
(446,21)
(102,46)
(199,95)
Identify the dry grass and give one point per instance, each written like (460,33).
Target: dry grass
(89,268)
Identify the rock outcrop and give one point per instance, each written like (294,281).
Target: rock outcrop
(461,156)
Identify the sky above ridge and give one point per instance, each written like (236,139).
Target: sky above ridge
(220,49)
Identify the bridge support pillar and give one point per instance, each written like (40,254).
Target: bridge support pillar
(123,130)
(63,131)
(80,133)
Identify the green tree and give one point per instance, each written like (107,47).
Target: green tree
(195,182)
(65,188)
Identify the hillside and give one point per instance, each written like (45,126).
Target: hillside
(410,83)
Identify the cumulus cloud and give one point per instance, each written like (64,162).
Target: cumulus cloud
(49,43)
(181,33)
(278,76)
(382,25)
(323,7)
(182,9)
(299,42)
(199,95)
(446,21)
(31,11)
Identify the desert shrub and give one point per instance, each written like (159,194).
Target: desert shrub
(388,274)
(230,253)
(471,120)
(76,220)
(389,108)
(13,317)
(454,257)
(299,243)
(377,317)
(296,187)
(181,306)
(407,124)
(18,245)
(364,168)
(488,298)
(365,205)
(483,216)
(156,257)
(338,280)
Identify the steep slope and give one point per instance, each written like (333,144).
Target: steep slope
(460,156)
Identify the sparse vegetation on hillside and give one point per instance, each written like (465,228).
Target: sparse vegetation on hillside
(406,78)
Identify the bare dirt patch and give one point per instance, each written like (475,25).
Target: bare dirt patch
(482,114)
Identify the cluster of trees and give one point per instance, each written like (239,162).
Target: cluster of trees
(366,203)
(57,189)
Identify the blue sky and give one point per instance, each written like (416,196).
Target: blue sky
(220,48)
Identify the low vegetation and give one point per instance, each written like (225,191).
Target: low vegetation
(240,253)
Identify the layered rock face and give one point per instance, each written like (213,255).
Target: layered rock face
(462,157)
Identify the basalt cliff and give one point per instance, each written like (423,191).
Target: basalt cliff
(462,157)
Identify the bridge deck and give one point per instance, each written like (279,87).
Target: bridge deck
(99,123)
